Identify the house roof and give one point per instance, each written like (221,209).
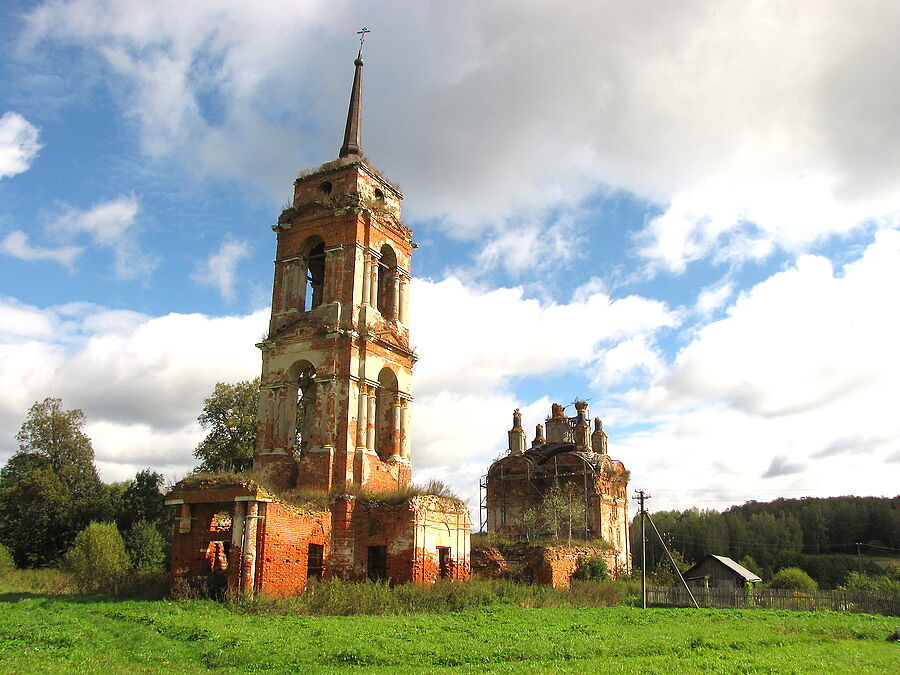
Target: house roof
(729,563)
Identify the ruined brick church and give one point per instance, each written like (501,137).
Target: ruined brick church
(334,409)
(566,455)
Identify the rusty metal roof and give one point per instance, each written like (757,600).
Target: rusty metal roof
(729,563)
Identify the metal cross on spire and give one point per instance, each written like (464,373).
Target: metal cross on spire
(352,133)
(362,36)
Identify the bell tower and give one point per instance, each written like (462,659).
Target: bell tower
(337,366)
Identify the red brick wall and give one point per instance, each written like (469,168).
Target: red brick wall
(550,566)
(285,537)
(410,531)
(558,564)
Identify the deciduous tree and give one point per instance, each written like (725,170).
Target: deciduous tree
(57,434)
(49,489)
(143,500)
(229,416)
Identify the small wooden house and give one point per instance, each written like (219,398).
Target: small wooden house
(717,571)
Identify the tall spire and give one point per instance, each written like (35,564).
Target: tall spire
(352,133)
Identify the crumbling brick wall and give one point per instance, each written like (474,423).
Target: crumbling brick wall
(545,565)
(284,547)
(554,566)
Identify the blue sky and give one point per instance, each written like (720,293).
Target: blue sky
(686,214)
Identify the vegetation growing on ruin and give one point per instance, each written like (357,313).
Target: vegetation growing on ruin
(337,163)
(318,499)
(48,634)
(505,541)
(400,495)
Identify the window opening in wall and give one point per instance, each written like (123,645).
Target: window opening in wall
(315,277)
(443,562)
(377,563)
(379,195)
(326,187)
(387,273)
(315,562)
(220,522)
(306,408)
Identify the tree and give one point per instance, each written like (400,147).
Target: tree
(560,514)
(37,516)
(57,434)
(49,489)
(98,558)
(229,415)
(146,547)
(793,579)
(663,574)
(143,499)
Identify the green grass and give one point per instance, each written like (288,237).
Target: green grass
(78,633)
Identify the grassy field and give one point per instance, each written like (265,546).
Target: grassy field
(78,633)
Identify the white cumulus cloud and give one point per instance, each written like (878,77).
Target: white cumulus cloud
(141,380)
(790,394)
(18,144)
(752,126)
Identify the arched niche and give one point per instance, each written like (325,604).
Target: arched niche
(385,421)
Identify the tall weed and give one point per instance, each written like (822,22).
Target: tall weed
(43,581)
(343,598)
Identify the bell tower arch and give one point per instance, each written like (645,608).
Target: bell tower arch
(337,365)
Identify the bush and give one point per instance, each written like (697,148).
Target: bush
(892,570)
(146,547)
(605,593)
(793,579)
(591,569)
(98,559)
(6,560)
(874,584)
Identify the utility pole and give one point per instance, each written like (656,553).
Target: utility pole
(859,557)
(672,560)
(641,497)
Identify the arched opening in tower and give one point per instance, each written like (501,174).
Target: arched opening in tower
(315,276)
(305,416)
(387,283)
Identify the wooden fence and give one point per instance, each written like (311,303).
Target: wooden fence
(770,598)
